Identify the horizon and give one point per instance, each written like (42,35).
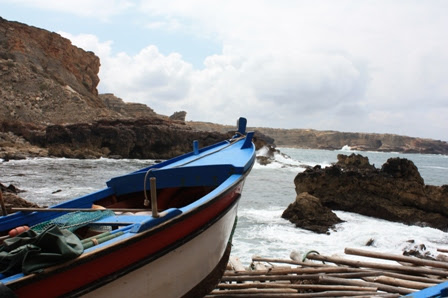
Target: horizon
(346,66)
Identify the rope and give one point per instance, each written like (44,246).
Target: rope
(309,252)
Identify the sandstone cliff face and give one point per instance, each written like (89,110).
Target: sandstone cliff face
(44,78)
(127,109)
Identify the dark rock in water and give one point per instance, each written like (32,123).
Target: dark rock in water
(354,161)
(269,155)
(307,212)
(370,242)
(396,192)
(418,251)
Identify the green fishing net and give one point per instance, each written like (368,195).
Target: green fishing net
(73,220)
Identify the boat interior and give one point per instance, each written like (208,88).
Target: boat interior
(130,200)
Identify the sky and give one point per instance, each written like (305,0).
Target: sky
(346,65)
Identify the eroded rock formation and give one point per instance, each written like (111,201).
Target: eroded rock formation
(307,212)
(396,192)
(143,138)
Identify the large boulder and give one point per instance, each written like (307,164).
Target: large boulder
(307,212)
(396,192)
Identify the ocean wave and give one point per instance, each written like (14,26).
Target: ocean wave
(346,148)
(275,159)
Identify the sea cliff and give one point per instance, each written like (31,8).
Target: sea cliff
(50,106)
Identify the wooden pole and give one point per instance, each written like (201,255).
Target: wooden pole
(412,277)
(296,286)
(3,204)
(30,209)
(222,294)
(237,265)
(399,258)
(381,287)
(269,260)
(269,277)
(277,271)
(408,269)
(153,187)
(399,282)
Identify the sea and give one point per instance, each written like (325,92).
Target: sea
(268,190)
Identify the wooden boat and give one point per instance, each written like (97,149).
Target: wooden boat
(177,247)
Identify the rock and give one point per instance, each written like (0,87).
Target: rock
(180,116)
(10,188)
(143,138)
(418,251)
(396,192)
(354,161)
(308,213)
(16,147)
(334,140)
(44,78)
(11,200)
(266,154)
(127,109)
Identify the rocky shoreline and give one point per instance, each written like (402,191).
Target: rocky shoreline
(50,107)
(396,192)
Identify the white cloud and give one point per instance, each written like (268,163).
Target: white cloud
(148,77)
(342,65)
(90,42)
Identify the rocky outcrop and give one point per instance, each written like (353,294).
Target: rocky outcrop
(334,140)
(129,110)
(396,192)
(10,198)
(44,78)
(180,116)
(143,138)
(307,212)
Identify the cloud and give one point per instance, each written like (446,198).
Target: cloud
(346,65)
(90,42)
(147,77)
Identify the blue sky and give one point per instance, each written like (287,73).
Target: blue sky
(348,65)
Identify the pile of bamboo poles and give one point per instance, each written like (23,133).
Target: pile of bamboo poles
(325,276)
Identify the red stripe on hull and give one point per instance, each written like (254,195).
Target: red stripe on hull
(81,275)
